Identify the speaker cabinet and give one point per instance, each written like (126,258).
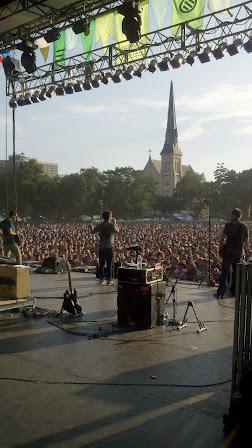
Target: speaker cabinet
(141,305)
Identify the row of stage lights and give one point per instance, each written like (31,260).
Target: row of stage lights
(90,81)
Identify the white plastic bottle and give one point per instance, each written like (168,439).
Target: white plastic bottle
(139,262)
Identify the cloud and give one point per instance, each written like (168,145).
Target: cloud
(153,104)
(245,130)
(194,131)
(94,110)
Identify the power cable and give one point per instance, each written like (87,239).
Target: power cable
(6,154)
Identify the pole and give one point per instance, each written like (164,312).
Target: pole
(14,157)
(209,243)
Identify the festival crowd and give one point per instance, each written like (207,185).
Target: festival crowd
(182,249)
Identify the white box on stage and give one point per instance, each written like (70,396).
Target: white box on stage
(14,281)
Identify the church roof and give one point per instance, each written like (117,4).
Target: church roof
(186,169)
(157,164)
(171,136)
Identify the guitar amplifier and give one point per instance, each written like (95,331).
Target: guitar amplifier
(141,306)
(14,281)
(143,276)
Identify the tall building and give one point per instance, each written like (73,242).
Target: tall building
(50,169)
(169,170)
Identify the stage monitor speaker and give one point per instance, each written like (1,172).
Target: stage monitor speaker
(14,282)
(52,265)
(141,306)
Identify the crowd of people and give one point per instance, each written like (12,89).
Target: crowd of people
(182,249)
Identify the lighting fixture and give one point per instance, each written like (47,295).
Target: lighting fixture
(20,100)
(177,61)
(13,103)
(152,66)
(232,49)
(26,45)
(35,96)
(138,72)
(11,66)
(163,65)
(28,61)
(96,81)
(50,92)
(52,35)
(117,76)
(128,73)
(191,57)
(27,98)
(87,84)
(104,79)
(82,26)
(78,86)
(248,46)
(68,88)
(131,24)
(59,90)
(42,95)
(204,56)
(218,52)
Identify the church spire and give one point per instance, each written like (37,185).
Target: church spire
(171,137)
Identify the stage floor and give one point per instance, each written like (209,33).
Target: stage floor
(138,388)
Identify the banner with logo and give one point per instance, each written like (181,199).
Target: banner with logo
(186,10)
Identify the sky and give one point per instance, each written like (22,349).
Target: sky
(116,125)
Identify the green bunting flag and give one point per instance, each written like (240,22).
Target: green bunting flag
(59,50)
(160,8)
(71,39)
(217,5)
(87,41)
(186,10)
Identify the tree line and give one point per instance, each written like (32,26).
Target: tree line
(129,193)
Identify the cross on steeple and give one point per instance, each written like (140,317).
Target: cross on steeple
(149,154)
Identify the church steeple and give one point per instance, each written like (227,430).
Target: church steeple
(171,137)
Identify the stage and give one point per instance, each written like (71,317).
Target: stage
(138,388)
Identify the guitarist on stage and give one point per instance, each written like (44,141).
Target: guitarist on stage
(233,240)
(10,237)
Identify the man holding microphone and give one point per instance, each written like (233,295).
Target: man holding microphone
(106,230)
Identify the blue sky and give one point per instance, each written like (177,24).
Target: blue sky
(117,124)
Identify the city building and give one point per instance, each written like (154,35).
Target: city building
(50,169)
(169,170)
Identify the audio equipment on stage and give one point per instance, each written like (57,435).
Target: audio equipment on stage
(52,265)
(143,276)
(14,281)
(141,305)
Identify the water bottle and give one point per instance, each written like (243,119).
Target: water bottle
(139,262)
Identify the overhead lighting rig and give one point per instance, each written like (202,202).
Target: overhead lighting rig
(131,24)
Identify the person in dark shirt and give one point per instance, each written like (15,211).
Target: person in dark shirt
(233,240)
(106,230)
(10,237)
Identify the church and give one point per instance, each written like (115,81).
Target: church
(169,170)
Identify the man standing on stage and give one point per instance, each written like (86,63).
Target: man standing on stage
(106,230)
(233,240)
(10,237)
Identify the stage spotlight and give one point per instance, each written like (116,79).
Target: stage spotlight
(28,61)
(52,35)
(78,86)
(138,72)
(13,103)
(152,66)
(163,65)
(177,61)
(131,24)
(191,57)
(35,96)
(27,98)
(117,76)
(11,66)
(248,46)
(26,45)
(50,92)
(82,26)
(232,49)
(204,56)
(96,82)
(87,84)
(59,90)
(42,95)
(218,52)
(128,73)
(68,88)
(20,100)
(104,79)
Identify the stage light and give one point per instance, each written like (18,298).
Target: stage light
(191,57)
(138,72)
(177,61)
(96,82)
(87,84)
(204,56)
(13,103)
(78,86)
(52,35)
(26,45)
(68,88)
(28,61)
(131,24)
(11,66)
(27,98)
(35,96)
(42,95)
(50,92)
(59,90)
(248,46)
(152,66)
(104,79)
(117,76)
(218,52)
(20,100)
(163,65)
(82,26)
(128,73)
(232,49)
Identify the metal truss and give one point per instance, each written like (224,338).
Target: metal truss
(45,17)
(157,44)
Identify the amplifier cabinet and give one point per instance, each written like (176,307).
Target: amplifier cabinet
(134,275)
(14,281)
(141,305)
